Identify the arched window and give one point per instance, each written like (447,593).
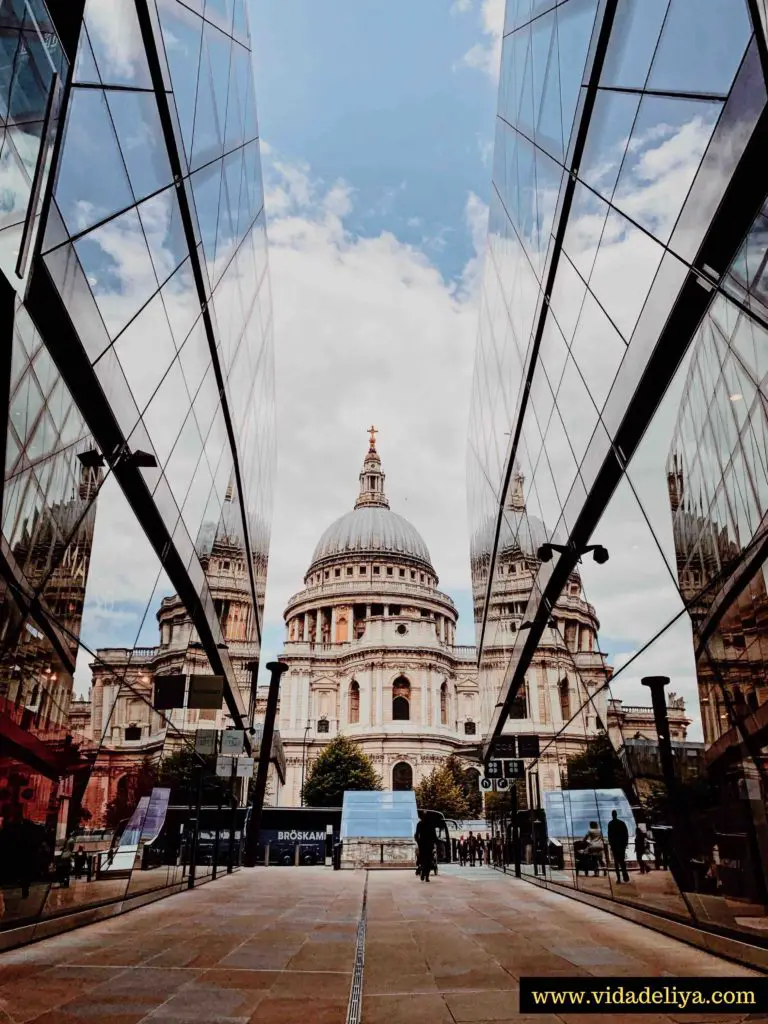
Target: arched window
(402,776)
(354,702)
(401,700)
(444,704)
(469,728)
(323,725)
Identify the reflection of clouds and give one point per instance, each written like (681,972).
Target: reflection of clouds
(635,594)
(618,259)
(115,35)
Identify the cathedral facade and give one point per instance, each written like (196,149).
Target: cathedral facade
(371,649)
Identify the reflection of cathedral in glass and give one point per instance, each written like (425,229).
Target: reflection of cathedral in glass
(137,377)
(718,485)
(119,711)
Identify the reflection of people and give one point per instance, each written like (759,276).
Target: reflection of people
(65,862)
(79,861)
(595,844)
(641,845)
(471,849)
(618,839)
(713,872)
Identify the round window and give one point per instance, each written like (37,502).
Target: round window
(401,629)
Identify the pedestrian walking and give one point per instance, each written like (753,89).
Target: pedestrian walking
(462,852)
(618,839)
(426,841)
(480,850)
(472,849)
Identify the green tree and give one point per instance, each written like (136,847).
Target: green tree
(180,772)
(597,767)
(439,792)
(342,765)
(467,784)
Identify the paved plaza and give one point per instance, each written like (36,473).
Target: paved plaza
(278,945)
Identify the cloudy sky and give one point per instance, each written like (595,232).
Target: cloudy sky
(377,129)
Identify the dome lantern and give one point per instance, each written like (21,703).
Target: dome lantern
(371,528)
(371,478)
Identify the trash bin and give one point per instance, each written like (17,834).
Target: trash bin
(337,856)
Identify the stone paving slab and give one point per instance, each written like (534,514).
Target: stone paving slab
(478,933)
(277,946)
(273,946)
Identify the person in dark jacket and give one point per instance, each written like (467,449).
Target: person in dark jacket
(472,849)
(463,852)
(79,860)
(426,840)
(618,839)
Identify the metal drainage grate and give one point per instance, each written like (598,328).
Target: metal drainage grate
(354,1010)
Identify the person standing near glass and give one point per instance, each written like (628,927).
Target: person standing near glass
(618,840)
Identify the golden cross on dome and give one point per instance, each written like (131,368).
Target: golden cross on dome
(373,432)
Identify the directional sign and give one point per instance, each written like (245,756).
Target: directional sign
(502,785)
(244,768)
(232,742)
(504,746)
(514,768)
(224,767)
(205,741)
(486,785)
(494,770)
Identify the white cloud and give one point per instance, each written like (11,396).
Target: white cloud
(366,331)
(486,55)
(461,6)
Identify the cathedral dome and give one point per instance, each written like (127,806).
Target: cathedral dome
(372,528)
(520,531)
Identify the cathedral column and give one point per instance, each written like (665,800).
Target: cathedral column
(380,677)
(305,629)
(333,624)
(426,687)
(386,609)
(319,626)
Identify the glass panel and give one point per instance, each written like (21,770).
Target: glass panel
(668,141)
(118,268)
(182,34)
(113,29)
(701,46)
(633,42)
(140,134)
(92,182)
(146,350)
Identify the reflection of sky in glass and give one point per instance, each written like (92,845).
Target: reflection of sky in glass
(379,815)
(569,811)
(642,154)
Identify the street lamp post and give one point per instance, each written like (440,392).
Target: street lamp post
(304,761)
(276,669)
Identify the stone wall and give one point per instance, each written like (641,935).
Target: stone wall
(361,853)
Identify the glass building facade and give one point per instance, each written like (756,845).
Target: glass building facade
(137,368)
(620,400)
